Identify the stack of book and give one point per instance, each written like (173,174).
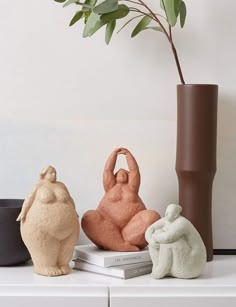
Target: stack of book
(116,264)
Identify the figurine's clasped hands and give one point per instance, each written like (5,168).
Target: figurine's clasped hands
(122,151)
(154,244)
(149,236)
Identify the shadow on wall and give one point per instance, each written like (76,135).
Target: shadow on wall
(224,184)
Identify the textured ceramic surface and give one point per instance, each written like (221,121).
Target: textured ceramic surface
(49,225)
(175,246)
(121,219)
(12,249)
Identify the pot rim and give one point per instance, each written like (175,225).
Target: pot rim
(198,84)
(11,203)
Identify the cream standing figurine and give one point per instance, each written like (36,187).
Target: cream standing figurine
(175,246)
(49,225)
(121,219)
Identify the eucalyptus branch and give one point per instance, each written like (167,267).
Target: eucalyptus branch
(161,16)
(124,25)
(169,37)
(177,63)
(134,9)
(170,30)
(131,1)
(164,6)
(156,19)
(170,33)
(108,12)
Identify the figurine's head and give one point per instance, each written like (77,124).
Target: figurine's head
(173,212)
(122,176)
(49,173)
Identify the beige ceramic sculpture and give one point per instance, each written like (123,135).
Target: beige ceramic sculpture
(49,225)
(175,246)
(121,219)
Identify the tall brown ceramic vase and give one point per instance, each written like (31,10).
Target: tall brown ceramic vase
(196,155)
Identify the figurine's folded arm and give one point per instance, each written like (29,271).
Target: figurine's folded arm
(151,229)
(109,179)
(27,204)
(172,234)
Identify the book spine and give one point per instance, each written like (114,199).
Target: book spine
(98,270)
(135,272)
(123,274)
(128,259)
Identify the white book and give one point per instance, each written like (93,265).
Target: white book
(104,258)
(123,271)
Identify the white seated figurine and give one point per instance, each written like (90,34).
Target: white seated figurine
(175,246)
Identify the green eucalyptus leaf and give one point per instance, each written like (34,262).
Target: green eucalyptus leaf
(182,14)
(177,7)
(106,7)
(154,28)
(169,7)
(161,4)
(86,16)
(109,30)
(61,1)
(143,23)
(76,18)
(88,5)
(70,2)
(93,24)
(122,11)
(127,22)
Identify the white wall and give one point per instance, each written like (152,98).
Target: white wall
(69,101)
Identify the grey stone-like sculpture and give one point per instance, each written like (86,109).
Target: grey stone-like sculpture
(175,246)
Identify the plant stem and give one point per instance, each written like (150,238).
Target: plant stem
(169,37)
(134,9)
(170,31)
(129,22)
(131,1)
(156,19)
(177,63)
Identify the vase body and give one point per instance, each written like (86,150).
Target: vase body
(196,155)
(12,249)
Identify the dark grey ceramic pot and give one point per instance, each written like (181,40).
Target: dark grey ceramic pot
(12,249)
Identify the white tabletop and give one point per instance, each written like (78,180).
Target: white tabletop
(221,273)
(218,282)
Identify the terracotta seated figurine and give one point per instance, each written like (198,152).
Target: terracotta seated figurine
(121,219)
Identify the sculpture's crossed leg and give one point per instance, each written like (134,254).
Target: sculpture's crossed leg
(134,231)
(103,232)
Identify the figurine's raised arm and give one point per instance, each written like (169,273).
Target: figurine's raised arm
(134,174)
(109,179)
(26,205)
